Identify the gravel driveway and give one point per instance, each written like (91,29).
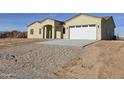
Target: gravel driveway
(35,60)
(69,42)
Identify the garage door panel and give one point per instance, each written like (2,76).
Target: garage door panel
(83,33)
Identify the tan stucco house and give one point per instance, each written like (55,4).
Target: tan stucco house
(81,26)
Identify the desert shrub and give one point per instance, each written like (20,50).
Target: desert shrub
(13,34)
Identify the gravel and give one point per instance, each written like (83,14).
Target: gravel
(33,61)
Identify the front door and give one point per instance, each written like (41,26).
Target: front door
(49,34)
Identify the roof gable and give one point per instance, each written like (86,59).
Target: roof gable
(80,15)
(33,23)
(111,18)
(52,20)
(46,19)
(43,21)
(113,22)
(103,17)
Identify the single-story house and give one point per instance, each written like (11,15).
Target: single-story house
(81,26)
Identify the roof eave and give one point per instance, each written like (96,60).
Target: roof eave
(33,23)
(51,19)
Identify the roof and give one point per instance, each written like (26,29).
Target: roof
(33,23)
(103,17)
(106,17)
(51,19)
(44,20)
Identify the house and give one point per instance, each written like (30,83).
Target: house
(81,26)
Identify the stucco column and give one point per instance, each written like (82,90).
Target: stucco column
(53,32)
(68,32)
(41,32)
(45,32)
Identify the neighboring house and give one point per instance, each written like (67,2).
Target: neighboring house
(81,26)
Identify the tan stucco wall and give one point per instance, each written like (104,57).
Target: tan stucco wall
(107,29)
(56,26)
(36,26)
(82,20)
(58,34)
(49,22)
(59,30)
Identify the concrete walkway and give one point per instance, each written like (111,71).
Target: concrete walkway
(65,42)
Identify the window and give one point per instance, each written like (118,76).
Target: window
(72,26)
(78,26)
(39,31)
(63,30)
(84,25)
(32,31)
(92,25)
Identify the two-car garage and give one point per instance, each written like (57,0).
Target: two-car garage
(83,32)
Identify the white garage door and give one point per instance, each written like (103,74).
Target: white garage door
(83,32)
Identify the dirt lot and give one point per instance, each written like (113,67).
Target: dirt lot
(34,60)
(104,59)
(9,42)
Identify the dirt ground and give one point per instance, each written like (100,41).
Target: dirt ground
(10,42)
(34,60)
(102,60)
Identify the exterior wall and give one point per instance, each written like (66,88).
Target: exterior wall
(36,26)
(104,33)
(49,22)
(59,30)
(82,20)
(66,35)
(107,29)
(58,34)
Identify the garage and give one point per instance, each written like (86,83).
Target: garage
(83,32)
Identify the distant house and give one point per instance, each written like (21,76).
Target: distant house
(81,26)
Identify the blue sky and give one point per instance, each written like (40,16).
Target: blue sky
(19,21)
